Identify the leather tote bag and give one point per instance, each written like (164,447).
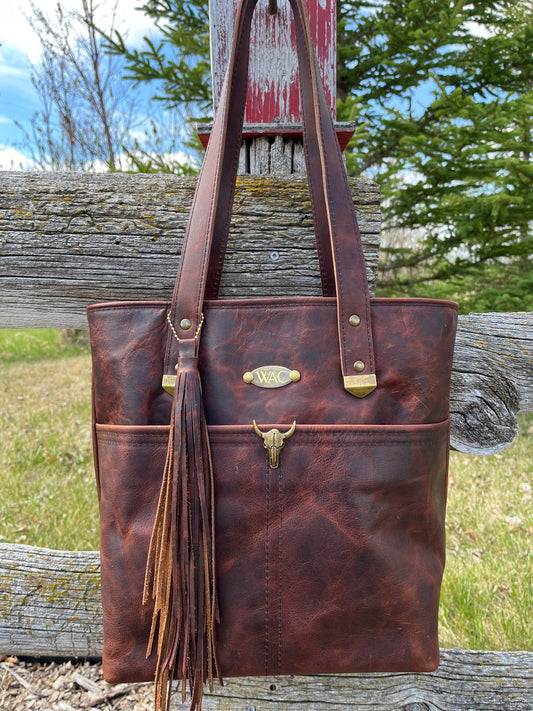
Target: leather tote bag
(278,506)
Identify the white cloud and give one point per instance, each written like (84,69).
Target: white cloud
(11,159)
(19,45)
(14,69)
(16,33)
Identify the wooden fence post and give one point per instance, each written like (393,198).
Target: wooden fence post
(272,136)
(273,94)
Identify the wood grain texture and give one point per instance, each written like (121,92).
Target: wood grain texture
(50,607)
(49,602)
(492,380)
(467,680)
(69,240)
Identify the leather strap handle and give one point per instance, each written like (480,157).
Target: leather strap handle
(325,168)
(318,207)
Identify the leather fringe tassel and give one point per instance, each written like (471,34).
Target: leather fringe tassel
(180,571)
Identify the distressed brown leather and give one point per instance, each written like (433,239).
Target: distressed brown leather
(413,338)
(333,562)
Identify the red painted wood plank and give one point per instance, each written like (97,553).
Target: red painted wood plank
(293,130)
(273,78)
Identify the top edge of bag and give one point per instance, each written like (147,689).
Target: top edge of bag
(277,301)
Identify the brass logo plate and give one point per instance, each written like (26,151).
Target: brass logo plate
(271,376)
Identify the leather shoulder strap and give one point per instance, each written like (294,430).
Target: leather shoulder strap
(320,218)
(330,188)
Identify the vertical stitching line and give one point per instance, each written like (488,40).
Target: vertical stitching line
(234,169)
(214,194)
(319,130)
(174,303)
(362,272)
(327,285)
(280,566)
(267,571)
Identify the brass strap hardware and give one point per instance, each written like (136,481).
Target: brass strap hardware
(273,442)
(360,385)
(169,381)
(184,326)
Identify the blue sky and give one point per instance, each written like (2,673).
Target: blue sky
(18,47)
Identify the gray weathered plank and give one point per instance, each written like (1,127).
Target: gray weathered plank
(466,680)
(49,602)
(492,380)
(68,240)
(50,606)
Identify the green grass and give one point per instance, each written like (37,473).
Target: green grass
(49,495)
(33,344)
(487,595)
(46,471)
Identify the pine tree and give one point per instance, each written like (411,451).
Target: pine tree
(448,136)
(442,96)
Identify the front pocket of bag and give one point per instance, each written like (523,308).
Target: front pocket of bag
(332,562)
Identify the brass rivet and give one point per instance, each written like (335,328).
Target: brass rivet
(185,324)
(354,320)
(295,376)
(176,367)
(359,366)
(248,377)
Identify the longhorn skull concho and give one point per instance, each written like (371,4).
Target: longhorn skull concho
(273,442)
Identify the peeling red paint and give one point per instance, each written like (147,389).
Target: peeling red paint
(273,77)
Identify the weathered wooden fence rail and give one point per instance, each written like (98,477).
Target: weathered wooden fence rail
(50,606)
(70,240)
(67,240)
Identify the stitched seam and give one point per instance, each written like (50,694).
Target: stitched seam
(206,241)
(324,276)
(234,167)
(229,439)
(284,303)
(267,570)
(362,272)
(353,442)
(280,566)
(157,305)
(338,274)
(174,302)
(326,283)
(149,443)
